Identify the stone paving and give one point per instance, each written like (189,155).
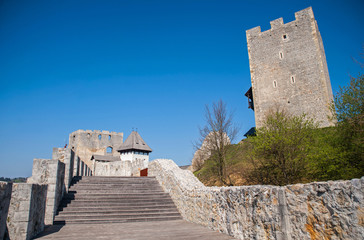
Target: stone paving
(162,230)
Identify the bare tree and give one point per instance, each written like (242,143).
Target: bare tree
(216,135)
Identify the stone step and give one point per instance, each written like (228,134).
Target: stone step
(120,182)
(106,191)
(114,216)
(114,206)
(116,179)
(119,200)
(124,211)
(100,179)
(95,221)
(110,177)
(116,190)
(111,193)
(114,203)
(97,196)
(125,190)
(114,186)
(118,207)
(115,199)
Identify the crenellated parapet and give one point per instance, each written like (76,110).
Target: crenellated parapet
(303,15)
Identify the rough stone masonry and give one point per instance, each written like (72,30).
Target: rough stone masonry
(319,210)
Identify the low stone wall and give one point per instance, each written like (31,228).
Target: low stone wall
(51,172)
(66,156)
(108,168)
(320,210)
(26,211)
(81,168)
(5,195)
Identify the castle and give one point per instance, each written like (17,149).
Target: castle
(289,71)
(105,153)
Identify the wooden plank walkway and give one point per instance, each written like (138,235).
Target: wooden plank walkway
(158,230)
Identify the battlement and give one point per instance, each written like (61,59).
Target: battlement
(305,14)
(95,138)
(97,132)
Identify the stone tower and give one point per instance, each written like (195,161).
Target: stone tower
(88,143)
(288,69)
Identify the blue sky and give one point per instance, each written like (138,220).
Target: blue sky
(152,65)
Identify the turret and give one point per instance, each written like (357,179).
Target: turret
(134,149)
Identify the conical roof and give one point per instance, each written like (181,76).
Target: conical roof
(134,142)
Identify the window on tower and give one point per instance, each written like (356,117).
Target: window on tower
(109,150)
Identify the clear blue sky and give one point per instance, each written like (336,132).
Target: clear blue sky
(114,65)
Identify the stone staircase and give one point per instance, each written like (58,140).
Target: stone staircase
(115,199)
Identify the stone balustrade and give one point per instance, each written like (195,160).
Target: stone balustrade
(319,210)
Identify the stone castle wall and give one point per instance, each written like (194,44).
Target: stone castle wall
(5,195)
(119,168)
(322,210)
(26,210)
(289,70)
(66,156)
(51,173)
(109,169)
(87,143)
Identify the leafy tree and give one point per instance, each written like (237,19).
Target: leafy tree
(281,149)
(220,131)
(349,103)
(328,158)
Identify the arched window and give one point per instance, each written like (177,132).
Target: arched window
(109,150)
(99,136)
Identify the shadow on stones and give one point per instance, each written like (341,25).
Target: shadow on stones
(50,229)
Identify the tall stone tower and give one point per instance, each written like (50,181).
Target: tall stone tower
(288,69)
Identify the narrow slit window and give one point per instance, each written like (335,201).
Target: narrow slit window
(293,80)
(274,83)
(281,55)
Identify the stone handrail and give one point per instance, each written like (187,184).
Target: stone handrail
(319,210)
